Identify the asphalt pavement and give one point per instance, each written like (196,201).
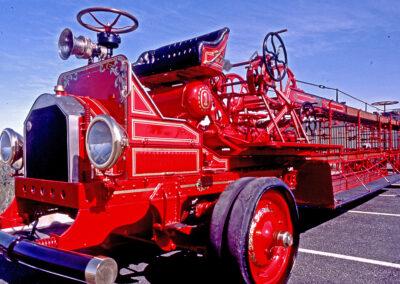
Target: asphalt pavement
(356,244)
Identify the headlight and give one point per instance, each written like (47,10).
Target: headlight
(11,148)
(105,141)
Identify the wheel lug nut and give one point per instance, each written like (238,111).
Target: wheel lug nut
(285,238)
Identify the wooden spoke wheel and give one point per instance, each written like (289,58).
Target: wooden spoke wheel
(262,236)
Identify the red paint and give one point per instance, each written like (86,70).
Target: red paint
(268,257)
(160,161)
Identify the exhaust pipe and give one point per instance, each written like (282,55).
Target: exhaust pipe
(72,265)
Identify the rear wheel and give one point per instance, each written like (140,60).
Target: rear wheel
(262,236)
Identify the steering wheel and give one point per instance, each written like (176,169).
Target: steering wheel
(275,56)
(108,28)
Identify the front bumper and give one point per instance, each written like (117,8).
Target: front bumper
(68,264)
(66,194)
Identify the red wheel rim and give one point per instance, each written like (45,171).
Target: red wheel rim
(268,256)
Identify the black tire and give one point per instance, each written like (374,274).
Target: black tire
(221,211)
(240,220)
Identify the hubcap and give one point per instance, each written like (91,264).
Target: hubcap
(270,241)
(285,238)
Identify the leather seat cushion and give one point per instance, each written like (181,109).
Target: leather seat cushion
(176,56)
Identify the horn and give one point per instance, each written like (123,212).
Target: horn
(81,46)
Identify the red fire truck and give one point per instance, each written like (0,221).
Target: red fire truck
(175,149)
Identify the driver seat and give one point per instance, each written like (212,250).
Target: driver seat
(197,57)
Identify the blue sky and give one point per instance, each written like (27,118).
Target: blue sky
(352,45)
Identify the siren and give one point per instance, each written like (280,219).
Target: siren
(81,47)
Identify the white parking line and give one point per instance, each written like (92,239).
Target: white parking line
(353,258)
(388,195)
(374,213)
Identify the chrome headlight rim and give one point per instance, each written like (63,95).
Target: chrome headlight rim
(16,145)
(118,141)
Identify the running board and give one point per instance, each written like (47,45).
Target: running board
(345,197)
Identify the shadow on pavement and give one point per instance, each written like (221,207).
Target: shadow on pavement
(312,217)
(145,263)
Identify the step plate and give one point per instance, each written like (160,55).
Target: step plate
(353,194)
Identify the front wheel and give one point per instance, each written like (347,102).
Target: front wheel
(262,235)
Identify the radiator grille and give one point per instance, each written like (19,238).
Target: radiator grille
(46,145)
